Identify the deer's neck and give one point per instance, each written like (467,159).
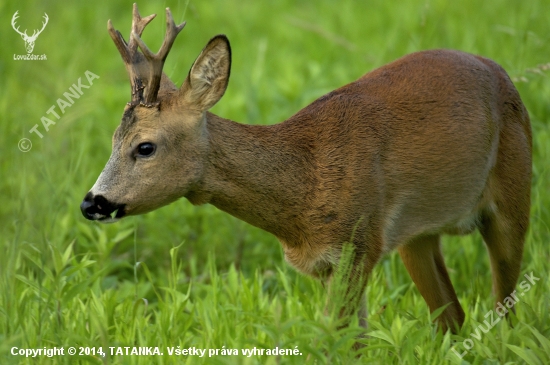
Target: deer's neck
(259,174)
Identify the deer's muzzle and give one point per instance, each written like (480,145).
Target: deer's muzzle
(97,208)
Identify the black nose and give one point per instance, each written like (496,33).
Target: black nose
(96,207)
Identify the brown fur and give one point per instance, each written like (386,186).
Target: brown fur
(436,142)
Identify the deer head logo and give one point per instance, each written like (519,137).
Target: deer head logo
(29,40)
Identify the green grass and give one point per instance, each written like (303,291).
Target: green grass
(194,276)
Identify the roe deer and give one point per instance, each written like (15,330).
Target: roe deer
(437,142)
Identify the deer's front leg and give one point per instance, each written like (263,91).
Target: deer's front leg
(345,299)
(346,287)
(346,290)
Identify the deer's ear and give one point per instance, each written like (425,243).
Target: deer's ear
(208,77)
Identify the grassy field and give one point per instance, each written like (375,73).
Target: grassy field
(194,277)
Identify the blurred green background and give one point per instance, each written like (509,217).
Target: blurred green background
(285,55)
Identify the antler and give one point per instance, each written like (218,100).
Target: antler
(24,34)
(13,19)
(146,67)
(37,32)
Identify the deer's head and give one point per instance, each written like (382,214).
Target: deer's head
(29,40)
(159,148)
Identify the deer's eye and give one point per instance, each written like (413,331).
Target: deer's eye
(145,149)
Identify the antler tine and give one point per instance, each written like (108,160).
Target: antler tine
(120,43)
(157,60)
(44,23)
(13,20)
(138,25)
(171,33)
(128,50)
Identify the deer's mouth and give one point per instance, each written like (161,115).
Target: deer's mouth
(115,216)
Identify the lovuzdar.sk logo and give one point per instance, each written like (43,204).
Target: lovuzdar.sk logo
(29,39)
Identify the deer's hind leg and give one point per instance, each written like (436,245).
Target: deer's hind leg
(424,262)
(505,222)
